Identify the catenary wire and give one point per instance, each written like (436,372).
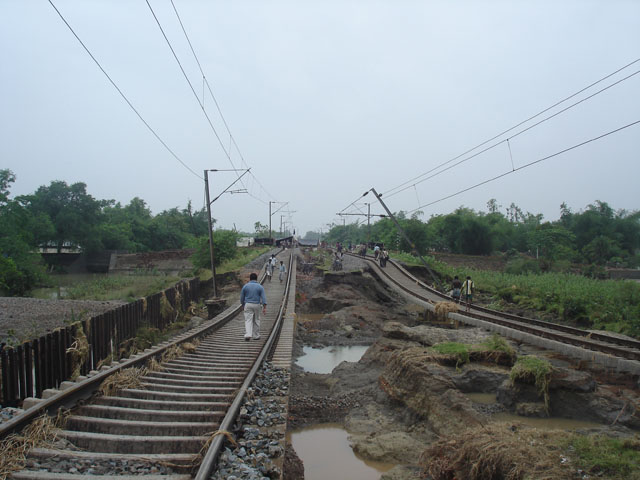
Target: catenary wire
(215,100)
(113,83)
(527,165)
(507,139)
(388,192)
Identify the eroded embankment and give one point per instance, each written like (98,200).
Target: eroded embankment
(407,403)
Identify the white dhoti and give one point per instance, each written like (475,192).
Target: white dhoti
(252,320)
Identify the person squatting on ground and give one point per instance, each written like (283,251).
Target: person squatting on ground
(456,285)
(251,297)
(467,292)
(283,270)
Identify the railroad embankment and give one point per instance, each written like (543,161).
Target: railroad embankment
(421,393)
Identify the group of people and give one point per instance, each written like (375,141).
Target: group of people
(462,291)
(271,265)
(381,255)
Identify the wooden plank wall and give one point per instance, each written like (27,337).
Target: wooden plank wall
(45,362)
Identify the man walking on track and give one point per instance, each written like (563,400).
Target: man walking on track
(251,297)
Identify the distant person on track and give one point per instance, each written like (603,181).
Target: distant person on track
(252,297)
(466,292)
(268,268)
(456,285)
(376,252)
(283,270)
(384,256)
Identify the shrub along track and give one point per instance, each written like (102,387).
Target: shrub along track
(187,405)
(620,353)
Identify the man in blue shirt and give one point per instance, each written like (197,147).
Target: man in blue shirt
(251,297)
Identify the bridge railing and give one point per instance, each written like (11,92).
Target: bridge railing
(45,362)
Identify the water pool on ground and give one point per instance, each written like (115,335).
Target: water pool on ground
(324,360)
(325,451)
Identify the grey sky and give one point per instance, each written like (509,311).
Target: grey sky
(325,99)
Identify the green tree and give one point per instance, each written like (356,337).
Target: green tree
(21,267)
(224,248)
(73,212)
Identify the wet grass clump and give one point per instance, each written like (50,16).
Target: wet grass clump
(606,457)
(533,370)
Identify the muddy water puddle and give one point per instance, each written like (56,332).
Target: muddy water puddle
(484,398)
(324,360)
(325,451)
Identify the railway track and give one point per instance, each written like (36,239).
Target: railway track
(163,426)
(617,347)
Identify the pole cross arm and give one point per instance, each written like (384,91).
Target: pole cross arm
(406,237)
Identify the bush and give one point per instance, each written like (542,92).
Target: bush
(520,266)
(224,248)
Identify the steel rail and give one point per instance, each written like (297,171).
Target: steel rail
(69,397)
(209,462)
(589,340)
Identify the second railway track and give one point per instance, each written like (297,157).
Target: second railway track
(623,348)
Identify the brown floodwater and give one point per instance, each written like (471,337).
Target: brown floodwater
(485,398)
(548,423)
(325,451)
(324,360)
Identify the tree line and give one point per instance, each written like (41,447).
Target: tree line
(66,217)
(596,236)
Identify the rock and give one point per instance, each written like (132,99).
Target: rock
(325,303)
(569,379)
(537,410)
(391,447)
(427,389)
(479,379)
(398,331)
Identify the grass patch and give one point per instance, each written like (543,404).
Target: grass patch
(612,305)
(119,287)
(606,457)
(244,256)
(533,370)
(457,351)
(494,350)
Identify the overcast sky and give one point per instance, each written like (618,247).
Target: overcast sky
(325,99)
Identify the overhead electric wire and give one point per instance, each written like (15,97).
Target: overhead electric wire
(186,77)
(113,83)
(215,100)
(526,165)
(406,183)
(507,139)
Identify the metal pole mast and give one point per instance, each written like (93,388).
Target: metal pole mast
(213,267)
(406,237)
(368,223)
(270,236)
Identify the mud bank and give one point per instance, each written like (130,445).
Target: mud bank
(401,401)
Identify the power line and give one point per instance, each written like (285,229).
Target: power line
(388,192)
(512,137)
(527,165)
(224,121)
(121,93)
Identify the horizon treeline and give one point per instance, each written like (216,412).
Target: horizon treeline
(597,235)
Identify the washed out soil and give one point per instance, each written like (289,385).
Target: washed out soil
(398,401)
